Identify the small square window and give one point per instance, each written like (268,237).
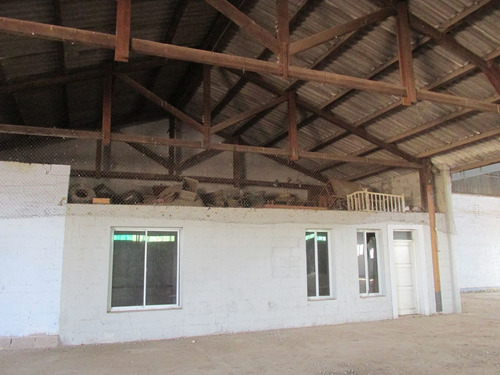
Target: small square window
(145,269)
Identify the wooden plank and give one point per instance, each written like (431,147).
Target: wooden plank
(164,162)
(123,16)
(405,54)
(337,31)
(246,24)
(161,103)
(247,114)
(359,160)
(150,140)
(293,143)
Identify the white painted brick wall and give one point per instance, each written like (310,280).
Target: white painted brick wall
(32,215)
(241,270)
(477,240)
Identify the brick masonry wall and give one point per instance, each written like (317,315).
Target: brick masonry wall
(241,270)
(32,215)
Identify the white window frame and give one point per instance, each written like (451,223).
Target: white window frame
(144,307)
(330,285)
(365,256)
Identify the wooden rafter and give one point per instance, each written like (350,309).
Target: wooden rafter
(293,142)
(246,24)
(123,17)
(336,31)
(476,164)
(283,35)
(247,114)
(161,103)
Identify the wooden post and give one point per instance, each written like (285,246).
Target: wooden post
(237,164)
(431,208)
(106,118)
(123,16)
(405,53)
(292,127)
(283,34)
(171,149)
(206,104)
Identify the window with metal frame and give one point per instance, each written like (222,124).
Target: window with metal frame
(144,269)
(368,271)
(318,264)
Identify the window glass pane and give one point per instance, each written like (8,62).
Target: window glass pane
(161,277)
(323,264)
(311,265)
(372,262)
(361,262)
(402,235)
(128,268)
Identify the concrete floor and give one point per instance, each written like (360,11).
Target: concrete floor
(468,343)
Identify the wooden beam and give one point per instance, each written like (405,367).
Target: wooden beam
(246,24)
(123,16)
(202,179)
(293,143)
(283,34)
(171,150)
(336,31)
(164,162)
(404,53)
(50,132)
(431,209)
(476,164)
(461,143)
(207,122)
(106,119)
(247,114)
(493,75)
(237,165)
(413,132)
(195,159)
(446,41)
(478,105)
(161,103)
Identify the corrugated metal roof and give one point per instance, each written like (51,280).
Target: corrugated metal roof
(362,55)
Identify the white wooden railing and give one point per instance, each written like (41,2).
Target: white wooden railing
(369,201)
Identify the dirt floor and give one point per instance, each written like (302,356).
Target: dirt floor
(467,343)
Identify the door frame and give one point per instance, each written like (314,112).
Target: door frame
(421,275)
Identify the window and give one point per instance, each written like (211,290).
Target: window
(318,267)
(368,262)
(145,269)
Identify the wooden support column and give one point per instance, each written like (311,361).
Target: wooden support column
(283,34)
(405,53)
(106,119)
(292,127)
(207,110)
(123,16)
(238,174)
(171,149)
(427,176)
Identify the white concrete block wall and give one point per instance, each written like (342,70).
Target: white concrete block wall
(477,240)
(32,215)
(240,270)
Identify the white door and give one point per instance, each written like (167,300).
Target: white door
(405,277)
